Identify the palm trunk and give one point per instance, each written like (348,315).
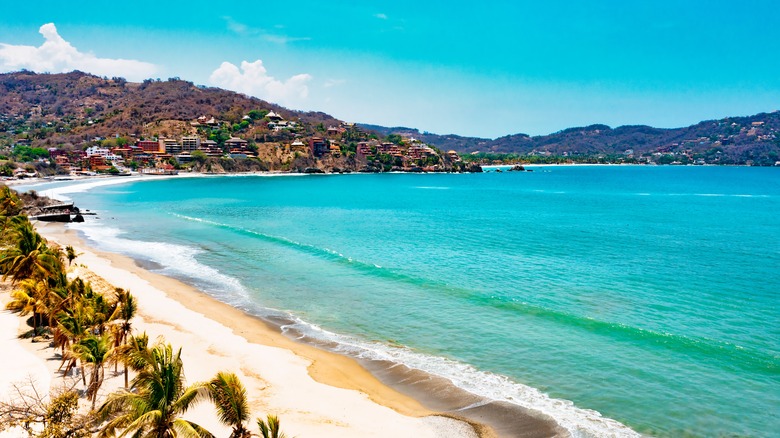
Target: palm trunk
(125,375)
(83,375)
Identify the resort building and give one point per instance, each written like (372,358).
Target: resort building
(170,146)
(190,143)
(150,146)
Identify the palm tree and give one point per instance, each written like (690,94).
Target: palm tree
(70,254)
(229,397)
(95,350)
(270,429)
(29,257)
(30,297)
(157,397)
(10,204)
(126,312)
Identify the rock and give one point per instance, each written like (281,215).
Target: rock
(516,168)
(313,170)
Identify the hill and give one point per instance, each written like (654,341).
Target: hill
(733,140)
(72,110)
(81,122)
(81,106)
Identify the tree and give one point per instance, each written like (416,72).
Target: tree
(30,257)
(199,157)
(54,416)
(127,310)
(30,297)
(229,397)
(95,350)
(157,397)
(70,254)
(270,428)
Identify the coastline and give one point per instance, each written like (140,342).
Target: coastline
(431,406)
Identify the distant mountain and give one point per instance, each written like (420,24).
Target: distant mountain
(732,140)
(444,142)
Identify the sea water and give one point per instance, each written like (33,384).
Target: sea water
(646,295)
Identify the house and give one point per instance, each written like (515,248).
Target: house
(272,116)
(389,149)
(298,146)
(334,131)
(335,149)
(236,143)
(318,146)
(363,149)
(453,155)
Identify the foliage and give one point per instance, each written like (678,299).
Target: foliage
(270,428)
(42,416)
(157,397)
(27,153)
(229,397)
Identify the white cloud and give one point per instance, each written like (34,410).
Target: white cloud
(56,55)
(381,16)
(253,79)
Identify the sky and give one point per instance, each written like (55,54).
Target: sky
(485,69)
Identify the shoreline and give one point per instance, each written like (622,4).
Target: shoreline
(408,392)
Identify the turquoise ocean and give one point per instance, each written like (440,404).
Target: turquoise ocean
(645,295)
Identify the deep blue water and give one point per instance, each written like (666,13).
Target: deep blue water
(648,294)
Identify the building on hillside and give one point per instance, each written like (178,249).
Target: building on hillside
(236,143)
(272,116)
(453,155)
(150,146)
(170,146)
(335,131)
(298,146)
(190,143)
(389,149)
(363,149)
(99,151)
(419,151)
(318,146)
(335,149)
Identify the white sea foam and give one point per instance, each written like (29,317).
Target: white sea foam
(62,192)
(579,422)
(176,260)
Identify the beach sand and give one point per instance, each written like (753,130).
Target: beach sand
(313,391)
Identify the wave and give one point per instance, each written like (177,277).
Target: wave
(729,355)
(579,422)
(175,260)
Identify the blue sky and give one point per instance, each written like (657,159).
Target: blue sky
(483,69)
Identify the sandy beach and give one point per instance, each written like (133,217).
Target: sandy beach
(315,393)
